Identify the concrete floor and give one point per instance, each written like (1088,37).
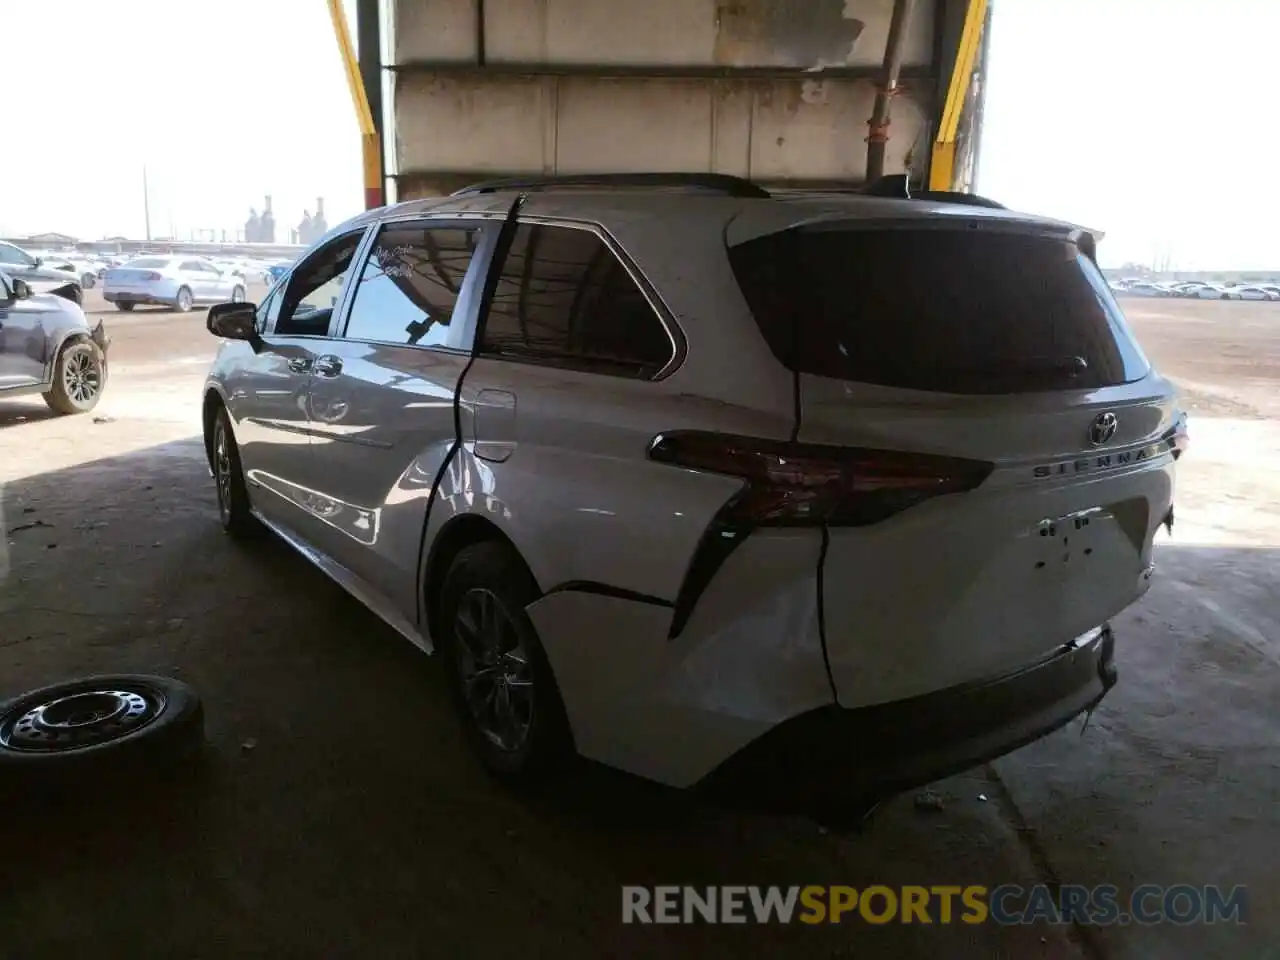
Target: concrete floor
(339,814)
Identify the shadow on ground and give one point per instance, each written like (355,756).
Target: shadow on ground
(336,811)
(17,411)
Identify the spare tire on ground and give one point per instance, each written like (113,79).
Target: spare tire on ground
(95,727)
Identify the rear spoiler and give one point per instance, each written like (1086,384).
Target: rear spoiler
(899,186)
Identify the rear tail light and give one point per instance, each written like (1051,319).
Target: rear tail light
(796,484)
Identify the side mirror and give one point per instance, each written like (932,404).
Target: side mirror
(21,289)
(233,321)
(37,261)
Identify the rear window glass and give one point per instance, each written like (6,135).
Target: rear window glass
(146,262)
(944,310)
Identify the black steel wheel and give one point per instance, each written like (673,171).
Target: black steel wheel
(125,305)
(234,509)
(79,375)
(503,686)
(95,726)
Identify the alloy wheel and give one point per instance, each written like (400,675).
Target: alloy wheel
(82,377)
(493,664)
(222,468)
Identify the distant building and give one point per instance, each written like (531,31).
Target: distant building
(318,222)
(307,232)
(252,227)
(51,240)
(267,224)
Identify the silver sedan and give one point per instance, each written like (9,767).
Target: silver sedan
(177,282)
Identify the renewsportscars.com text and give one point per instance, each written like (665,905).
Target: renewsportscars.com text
(938,904)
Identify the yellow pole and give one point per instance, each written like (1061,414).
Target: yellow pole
(942,166)
(370,154)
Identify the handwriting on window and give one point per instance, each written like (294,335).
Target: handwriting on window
(397,262)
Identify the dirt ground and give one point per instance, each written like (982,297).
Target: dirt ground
(337,812)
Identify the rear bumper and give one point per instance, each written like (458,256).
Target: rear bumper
(120,296)
(832,757)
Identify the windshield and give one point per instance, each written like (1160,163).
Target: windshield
(947,310)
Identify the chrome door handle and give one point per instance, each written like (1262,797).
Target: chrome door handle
(329,366)
(299,365)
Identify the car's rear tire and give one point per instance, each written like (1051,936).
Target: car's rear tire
(79,376)
(502,683)
(88,281)
(237,295)
(126,307)
(78,732)
(183,301)
(235,512)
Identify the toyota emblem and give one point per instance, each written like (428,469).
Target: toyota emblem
(1103,428)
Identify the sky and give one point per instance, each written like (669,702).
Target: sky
(1156,121)
(1152,120)
(222,101)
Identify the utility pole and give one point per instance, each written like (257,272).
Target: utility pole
(146,202)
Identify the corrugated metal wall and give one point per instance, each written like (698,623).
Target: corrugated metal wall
(778,90)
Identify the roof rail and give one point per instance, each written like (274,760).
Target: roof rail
(711,182)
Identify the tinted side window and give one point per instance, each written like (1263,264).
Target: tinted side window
(410,284)
(563,298)
(11,254)
(314,287)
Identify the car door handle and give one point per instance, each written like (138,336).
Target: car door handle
(328,366)
(299,365)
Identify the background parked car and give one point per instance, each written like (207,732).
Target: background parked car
(178,282)
(83,270)
(19,264)
(1253,293)
(48,347)
(277,270)
(1141,288)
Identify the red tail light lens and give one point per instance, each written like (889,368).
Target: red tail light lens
(795,484)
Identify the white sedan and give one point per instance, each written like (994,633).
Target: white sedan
(1253,293)
(84,271)
(1209,292)
(177,282)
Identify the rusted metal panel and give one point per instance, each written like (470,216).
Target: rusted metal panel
(773,130)
(797,34)
(813,33)
(817,129)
